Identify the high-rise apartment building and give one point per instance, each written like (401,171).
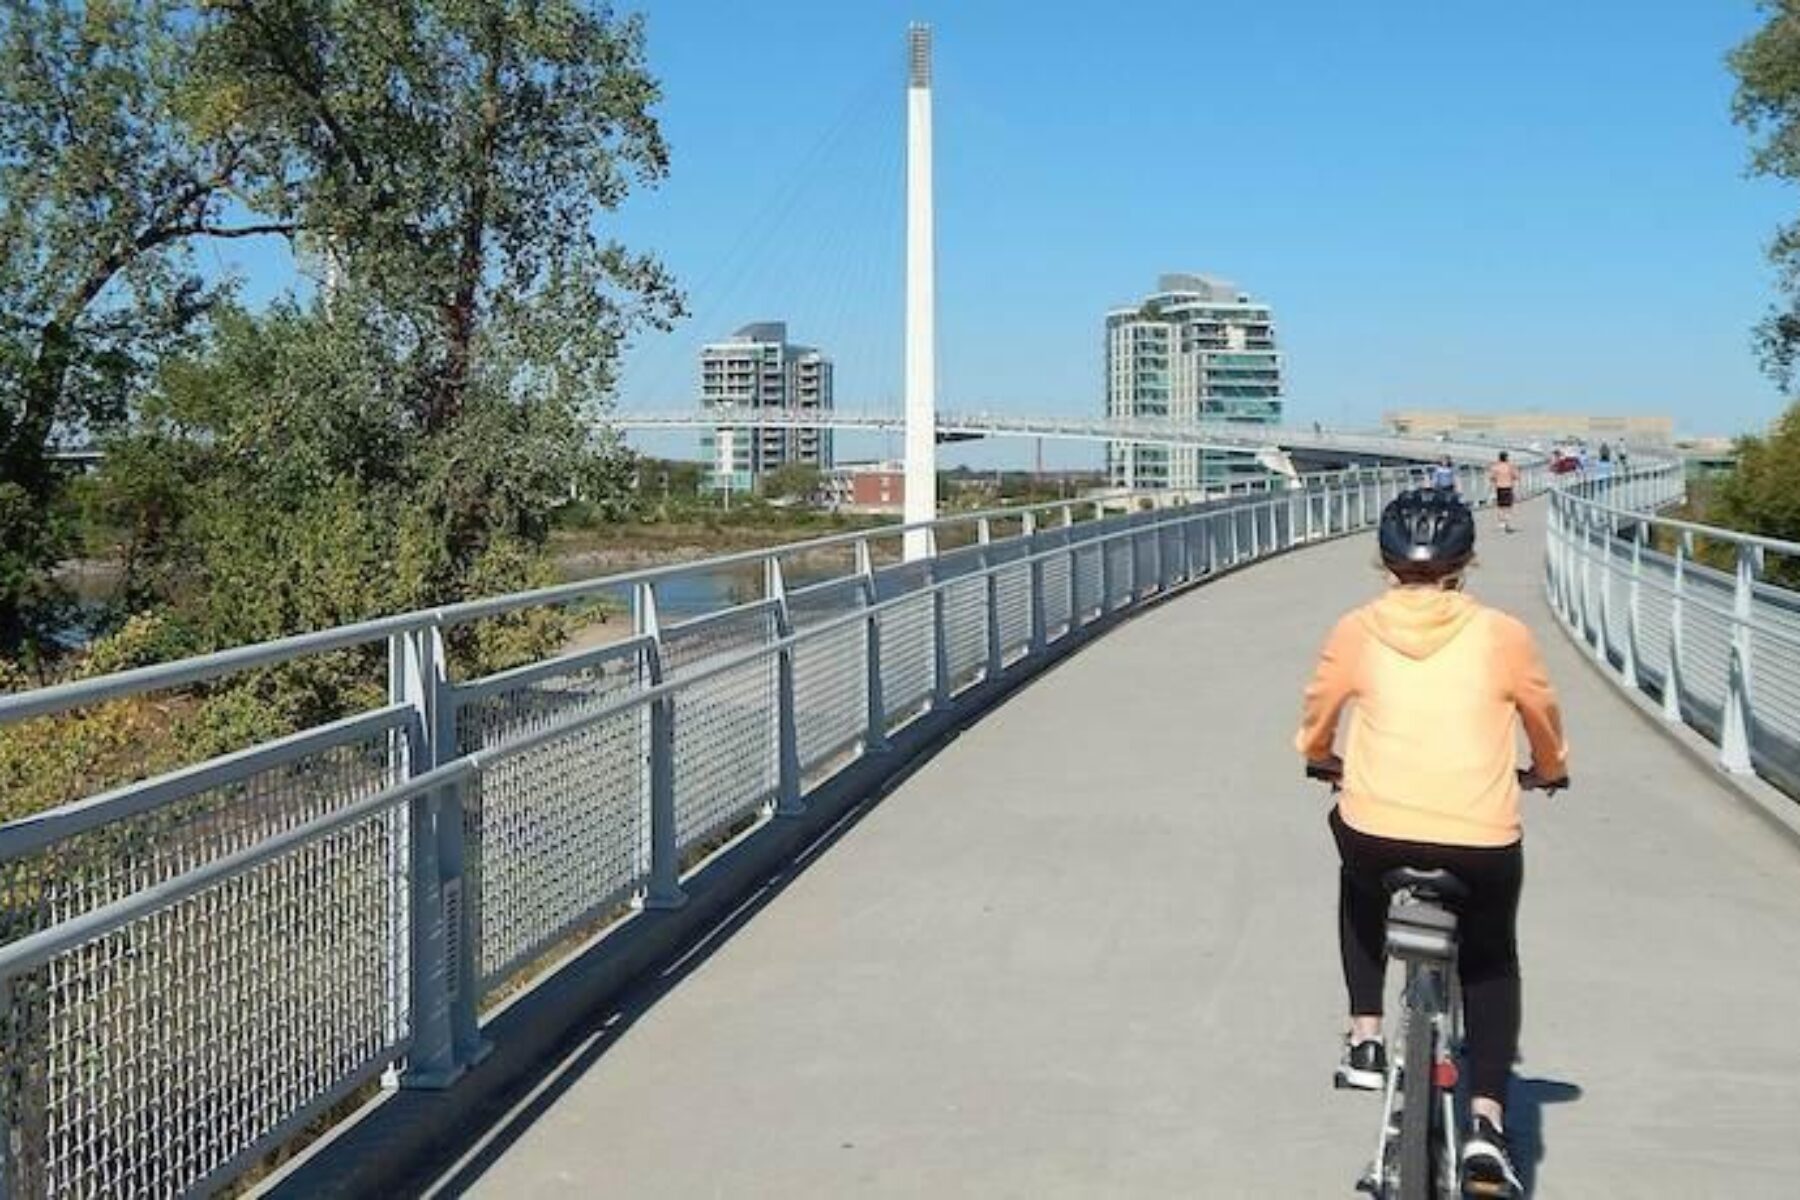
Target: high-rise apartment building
(1197,350)
(758,368)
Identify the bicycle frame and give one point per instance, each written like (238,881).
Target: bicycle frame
(1423,937)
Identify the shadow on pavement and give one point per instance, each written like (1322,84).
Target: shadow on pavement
(1525,1105)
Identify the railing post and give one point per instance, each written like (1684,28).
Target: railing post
(1106,569)
(1671,706)
(787,730)
(8,1100)
(940,625)
(1735,742)
(1633,606)
(1236,521)
(1159,537)
(996,657)
(875,737)
(444,1040)
(1605,527)
(664,889)
(1068,534)
(1040,632)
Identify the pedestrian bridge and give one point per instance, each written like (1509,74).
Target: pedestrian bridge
(989,874)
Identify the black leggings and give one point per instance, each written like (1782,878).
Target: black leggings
(1488,951)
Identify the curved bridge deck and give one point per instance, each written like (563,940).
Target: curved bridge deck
(1089,950)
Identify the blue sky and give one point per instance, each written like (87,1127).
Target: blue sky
(1490,206)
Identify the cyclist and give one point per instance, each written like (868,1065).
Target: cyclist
(1430,782)
(1443,475)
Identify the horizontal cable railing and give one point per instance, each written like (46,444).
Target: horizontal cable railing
(1704,621)
(196,966)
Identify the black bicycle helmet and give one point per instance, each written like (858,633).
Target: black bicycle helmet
(1426,534)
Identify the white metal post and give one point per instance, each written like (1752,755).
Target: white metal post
(432,1061)
(1633,607)
(1735,741)
(664,889)
(1040,633)
(940,626)
(875,735)
(787,730)
(1671,698)
(921,332)
(996,657)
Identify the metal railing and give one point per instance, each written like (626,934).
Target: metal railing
(1685,614)
(196,966)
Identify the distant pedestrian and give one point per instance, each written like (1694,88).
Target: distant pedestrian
(1505,478)
(1443,476)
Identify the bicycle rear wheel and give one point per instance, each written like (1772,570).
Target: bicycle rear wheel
(1417,1179)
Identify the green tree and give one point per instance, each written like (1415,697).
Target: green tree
(115,156)
(1762,496)
(1767,104)
(792,481)
(451,161)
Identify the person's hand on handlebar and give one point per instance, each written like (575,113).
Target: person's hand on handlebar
(1530,780)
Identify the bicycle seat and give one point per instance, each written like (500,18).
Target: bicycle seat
(1437,885)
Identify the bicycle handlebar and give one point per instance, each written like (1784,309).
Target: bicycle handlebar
(1332,771)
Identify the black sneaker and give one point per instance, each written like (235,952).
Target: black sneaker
(1487,1169)
(1364,1065)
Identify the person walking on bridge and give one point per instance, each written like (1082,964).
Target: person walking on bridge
(1504,477)
(1430,781)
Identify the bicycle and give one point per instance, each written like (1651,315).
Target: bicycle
(1422,1158)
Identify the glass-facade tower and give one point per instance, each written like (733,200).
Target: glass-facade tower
(1197,351)
(758,368)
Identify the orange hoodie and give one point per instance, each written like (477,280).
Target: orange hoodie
(1437,679)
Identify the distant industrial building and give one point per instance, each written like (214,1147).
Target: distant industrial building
(757,367)
(1196,351)
(867,487)
(1532,426)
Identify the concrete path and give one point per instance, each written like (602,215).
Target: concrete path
(1089,950)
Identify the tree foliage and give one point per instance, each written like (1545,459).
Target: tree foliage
(795,481)
(399,434)
(1767,104)
(1762,496)
(109,171)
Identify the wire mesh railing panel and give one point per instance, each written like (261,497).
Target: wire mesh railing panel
(1616,597)
(726,755)
(1056,577)
(558,833)
(204,814)
(1775,653)
(831,672)
(489,711)
(174,1049)
(1013,581)
(1706,642)
(908,642)
(1119,559)
(557,836)
(1144,563)
(1655,605)
(1087,582)
(965,617)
